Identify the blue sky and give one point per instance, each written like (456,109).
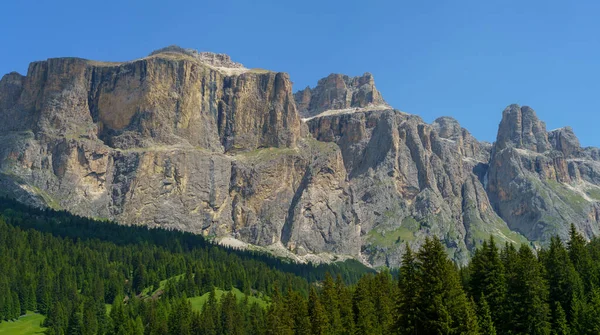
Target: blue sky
(465,59)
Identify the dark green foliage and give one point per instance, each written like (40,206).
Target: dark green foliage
(487,278)
(484,316)
(67,267)
(316,314)
(560,325)
(432,300)
(408,308)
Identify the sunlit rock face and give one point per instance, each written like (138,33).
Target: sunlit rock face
(197,142)
(540,182)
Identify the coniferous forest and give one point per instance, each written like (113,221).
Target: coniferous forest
(89,277)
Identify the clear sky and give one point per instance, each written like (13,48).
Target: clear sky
(467,59)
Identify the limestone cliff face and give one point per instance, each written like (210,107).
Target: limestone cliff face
(197,142)
(539,181)
(409,180)
(143,142)
(338,91)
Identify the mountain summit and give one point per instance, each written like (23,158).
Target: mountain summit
(194,141)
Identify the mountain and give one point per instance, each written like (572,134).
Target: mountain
(194,141)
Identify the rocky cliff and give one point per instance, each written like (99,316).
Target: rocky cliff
(539,182)
(195,141)
(339,92)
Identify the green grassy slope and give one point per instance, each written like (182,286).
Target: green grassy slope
(198,302)
(26,325)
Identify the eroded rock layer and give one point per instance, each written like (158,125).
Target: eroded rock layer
(197,142)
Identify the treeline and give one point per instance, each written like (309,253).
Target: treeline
(69,268)
(73,227)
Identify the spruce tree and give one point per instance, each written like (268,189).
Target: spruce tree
(580,258)
(487,278)
(297,309)
(529,294)
(329,299)
(75,322)
(563,280)
(407,306)
(318,316)
(560,325)
(443,305)
(484,315)
(345,304)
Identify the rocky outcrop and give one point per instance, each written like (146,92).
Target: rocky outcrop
(409,180)
(539,182)
(194,141)
(336,92)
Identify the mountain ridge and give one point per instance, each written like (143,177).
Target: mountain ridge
(196,142)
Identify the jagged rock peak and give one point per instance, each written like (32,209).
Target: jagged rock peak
(211,58)
(520,128)
(338,91)
(564,140)
(447,127)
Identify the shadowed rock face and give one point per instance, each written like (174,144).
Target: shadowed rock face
(338,91)
(196,142)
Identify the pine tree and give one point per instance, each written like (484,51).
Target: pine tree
(345,304)
(16,310)
(229,315)
(591,323)
(364,310)
(297,309)
(278,321)
(329,299)
(383,291)
(563,280)
(407,306)
(529,293)
(209,317)
(443,305)
(75,322)
(317,314)
(138,327)
(180,317)
(486,324)
(580,258)
(139,278)
(256,318)
(90,324)
(487,278)
(118,316)
(560,325)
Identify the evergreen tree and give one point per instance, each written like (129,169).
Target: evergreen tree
(118,317)
(297,309)
(591,320)
(209,316)
(75,323)
(580,257)
(180,317)
(329,299)
(529,293)
(484,315)
(407,306)
(443,305)
(560,325)
(564,282)
(278,321)
(487,278)
(139,278)
(345,304)
(317,314)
